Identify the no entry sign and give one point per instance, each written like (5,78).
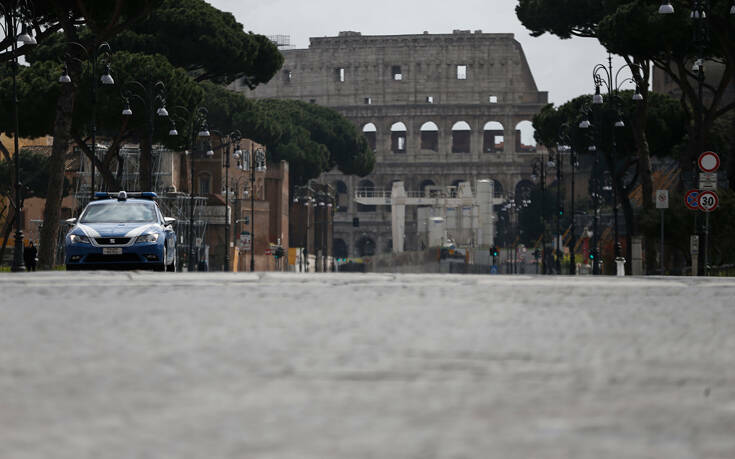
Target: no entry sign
(691,200)
(708,201)
(708,161)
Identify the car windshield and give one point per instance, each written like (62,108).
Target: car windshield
(120,212)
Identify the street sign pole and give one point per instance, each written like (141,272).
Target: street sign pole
(661,259)
(662,203)
(709,163)
(706,244)
(694,251)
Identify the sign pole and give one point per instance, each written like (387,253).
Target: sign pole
(662,203)
(706,244)
(661,260)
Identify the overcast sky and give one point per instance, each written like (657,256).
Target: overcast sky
(561,67)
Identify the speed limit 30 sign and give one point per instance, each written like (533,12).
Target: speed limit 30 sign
(708,201)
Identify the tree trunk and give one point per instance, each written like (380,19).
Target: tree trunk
(52,209)
(7,229)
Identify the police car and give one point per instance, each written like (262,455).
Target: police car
(123,230)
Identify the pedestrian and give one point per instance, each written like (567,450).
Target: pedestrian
(29,256)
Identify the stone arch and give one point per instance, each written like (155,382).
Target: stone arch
(525,142)
(493,137)
(340,248)
(461,135)
(342,195)
(398,135)
(365,185)
(497,188)
(430,136)
(426,183)
(365,246)
(370,132)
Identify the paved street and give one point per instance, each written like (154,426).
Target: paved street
(140,365)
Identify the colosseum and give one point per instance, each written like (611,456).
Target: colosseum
(438,109)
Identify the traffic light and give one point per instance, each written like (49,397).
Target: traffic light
(561,211)
(494,251)
(593,254)
(356,222)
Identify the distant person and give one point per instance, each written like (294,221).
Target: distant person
(29,256)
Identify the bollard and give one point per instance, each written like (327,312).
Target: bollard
(620,261)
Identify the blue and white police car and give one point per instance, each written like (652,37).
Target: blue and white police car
(123,230)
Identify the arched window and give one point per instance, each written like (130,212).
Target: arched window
(365,185)
(205,184)
(398,138)
(524,137)
(339,248)
(493,137)
(365,247)
(370,133)
(341,195)
(461,137)
(424,185)
(430,136)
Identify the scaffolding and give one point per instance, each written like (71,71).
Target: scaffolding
(172,204)
(178,206)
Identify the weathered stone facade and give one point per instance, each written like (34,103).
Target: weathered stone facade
(437,109)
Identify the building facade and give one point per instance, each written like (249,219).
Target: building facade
(437,110)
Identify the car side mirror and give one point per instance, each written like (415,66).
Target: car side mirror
(169,221)
(71,221)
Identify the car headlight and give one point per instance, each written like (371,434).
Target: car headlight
(78,239)
(151,237)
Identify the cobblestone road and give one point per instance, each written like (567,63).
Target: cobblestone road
(365,366)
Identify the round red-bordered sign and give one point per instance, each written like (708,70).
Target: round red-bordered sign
(709,161)
(691,199)
(708,201)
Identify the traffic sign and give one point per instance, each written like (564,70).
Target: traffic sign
(708,161)
(708,181)
(708,201)
(662,199)
(691,199)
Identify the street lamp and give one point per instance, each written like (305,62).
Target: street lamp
(100,55)
(253,161)
(152,96)
(14,16)
(604,76)
(700,36)
(539,173)
(232,138)
(197,121)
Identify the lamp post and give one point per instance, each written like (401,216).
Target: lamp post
(100,55)
(152,96)
(254,161)
(14,16)
(197,121)
(232,138)
(605,76)
(573,164)
(557,163)
(539,173)
(699,13)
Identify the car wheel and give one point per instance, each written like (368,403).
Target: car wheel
(162,265)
